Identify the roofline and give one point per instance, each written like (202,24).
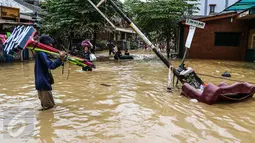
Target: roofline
(16,23)
(215,17)
(28,5)
(231,5)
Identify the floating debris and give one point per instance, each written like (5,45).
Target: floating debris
(226,74)
(106,84)
(194,100)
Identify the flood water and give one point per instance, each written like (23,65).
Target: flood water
(133,106)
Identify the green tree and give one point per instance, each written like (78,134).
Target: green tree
(69,19)
(158,18)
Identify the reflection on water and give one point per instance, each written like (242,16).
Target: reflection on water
(133,107)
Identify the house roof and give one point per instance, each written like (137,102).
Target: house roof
(214,17)
(12,3)
(28,5)
(192,17)
(14,23)
(241,5)
(23,6)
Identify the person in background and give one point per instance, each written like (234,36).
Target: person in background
(43,76)
(117,54)
(163,46)
(145,46)
(126,52)
(111,47)
(160,46)
(86,55)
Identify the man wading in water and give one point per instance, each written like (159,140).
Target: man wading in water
(43,76)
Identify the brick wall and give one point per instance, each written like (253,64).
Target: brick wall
(203,42)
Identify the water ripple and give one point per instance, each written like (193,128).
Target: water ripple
(134,107)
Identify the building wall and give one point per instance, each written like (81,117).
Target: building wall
(204,6)
(12,3)
(203,42)
(220,5)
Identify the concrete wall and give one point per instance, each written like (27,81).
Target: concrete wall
(203,47)
(205,8)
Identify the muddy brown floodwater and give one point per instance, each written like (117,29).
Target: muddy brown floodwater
(126,101)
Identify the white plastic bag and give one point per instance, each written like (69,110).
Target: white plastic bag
(194,100)
(92,57)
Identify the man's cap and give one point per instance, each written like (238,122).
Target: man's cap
(45,39)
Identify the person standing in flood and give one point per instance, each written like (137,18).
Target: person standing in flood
(163,46)
(160,47)
(111,47)
(43,76)
(86,55)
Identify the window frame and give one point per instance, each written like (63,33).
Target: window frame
(212,8)
(216,44)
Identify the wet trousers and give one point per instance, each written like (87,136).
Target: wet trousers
(47,100)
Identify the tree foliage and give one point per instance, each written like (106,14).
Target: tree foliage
(74,18)
(158,18)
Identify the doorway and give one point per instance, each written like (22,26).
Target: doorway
(251,44)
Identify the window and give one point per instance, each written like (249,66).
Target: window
(212,8)
(227,39)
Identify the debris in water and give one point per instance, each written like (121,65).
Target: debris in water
(193,100)
(226,74)
(106,84)
(169,89)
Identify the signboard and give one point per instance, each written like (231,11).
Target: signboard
(195,23)
(243,14)
(192,30)
(9,12)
